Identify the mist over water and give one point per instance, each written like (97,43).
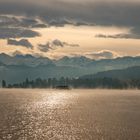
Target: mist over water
(69,114)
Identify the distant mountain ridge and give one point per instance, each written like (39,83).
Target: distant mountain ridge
(17,68)
(80,61)
(27,60)
(73,61)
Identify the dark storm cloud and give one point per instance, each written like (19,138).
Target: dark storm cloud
(5,21)
(22,42)
(91,12)
(31,23)
(53,45)
(63,21)
(26,22)
(82,12)
(17,27)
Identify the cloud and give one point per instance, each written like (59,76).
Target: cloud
(40,25)
(70,45)
(32,22)
(59,43)
(22,42)
(21,21)
(5,21)
(45,47)
(28,22)
(17,33)
(29,54)
(119,36)
(18,27)
(104,54)
(16,53)
(54,44)
(61,22)
(97,12)
(40,14)
(134,34)
(82,12)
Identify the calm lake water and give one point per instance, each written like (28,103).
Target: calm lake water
(69,114)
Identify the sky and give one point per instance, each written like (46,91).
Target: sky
(98,29)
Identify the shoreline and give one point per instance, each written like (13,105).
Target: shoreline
(69,89)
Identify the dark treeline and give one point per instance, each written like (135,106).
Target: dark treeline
(108,83)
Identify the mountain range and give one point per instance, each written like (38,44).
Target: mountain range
(17,68)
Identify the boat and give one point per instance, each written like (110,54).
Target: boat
(62,87)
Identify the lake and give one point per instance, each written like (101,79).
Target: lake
(40,114)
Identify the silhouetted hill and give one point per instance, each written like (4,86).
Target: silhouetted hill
(129,73)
